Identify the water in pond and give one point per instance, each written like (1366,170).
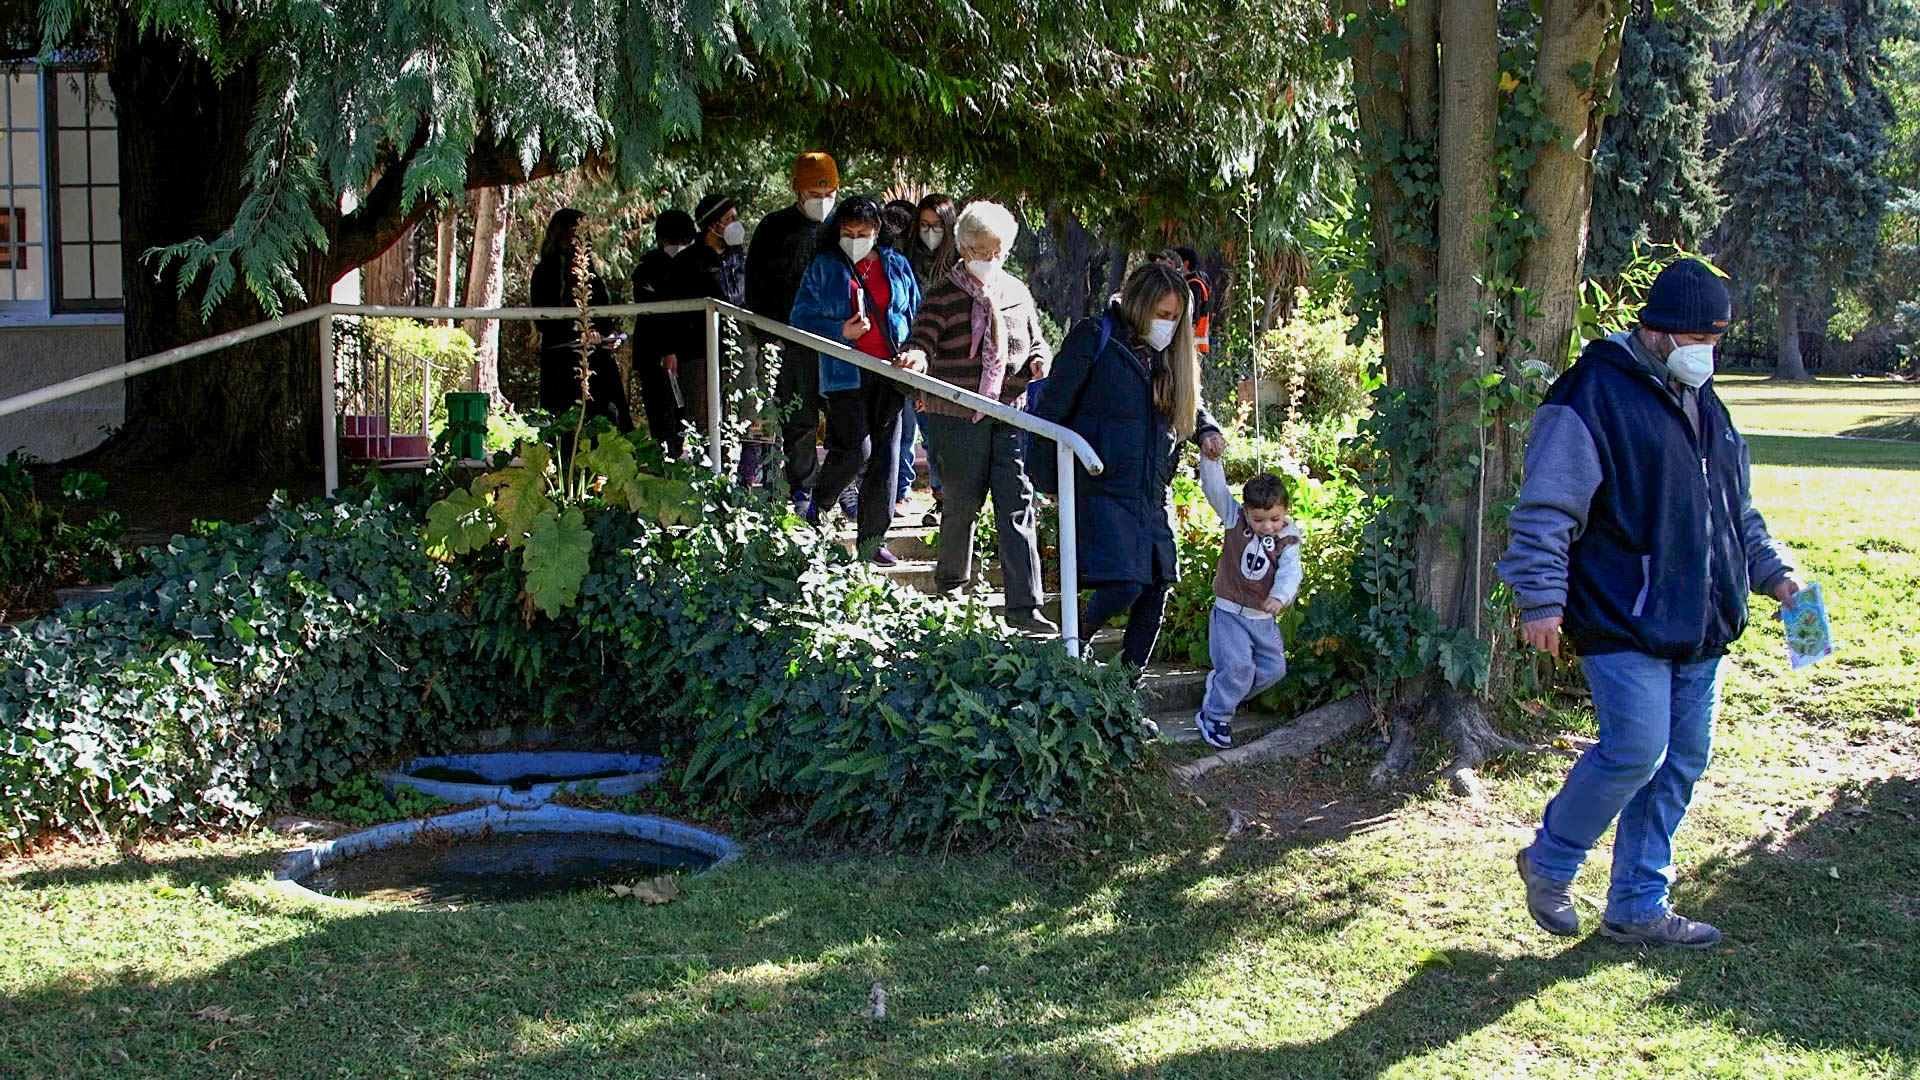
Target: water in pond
(498,866)
(518,783)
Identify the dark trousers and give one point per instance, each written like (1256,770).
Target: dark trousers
(656,397)
(978,459)
(1145,604)
(797,393)
(863,429)
(606,393)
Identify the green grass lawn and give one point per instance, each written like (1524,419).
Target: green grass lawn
(1871,407)
(1348,935)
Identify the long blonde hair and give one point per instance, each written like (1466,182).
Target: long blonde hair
(1176,388)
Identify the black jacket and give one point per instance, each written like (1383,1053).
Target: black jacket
(782,249)
(1105,392)
(552,286)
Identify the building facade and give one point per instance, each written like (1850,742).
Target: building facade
(61,264)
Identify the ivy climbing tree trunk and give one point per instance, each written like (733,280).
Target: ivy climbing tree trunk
(1476,217)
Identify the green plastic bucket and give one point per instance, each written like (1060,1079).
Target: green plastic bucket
(467,422)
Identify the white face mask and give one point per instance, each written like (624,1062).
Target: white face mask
(1691,365)
(856,247)
(984,269)
(1160,334)
(734,234)
(817,209)
(674,249)
(932,237)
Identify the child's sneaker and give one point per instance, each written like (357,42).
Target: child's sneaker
(1217,735)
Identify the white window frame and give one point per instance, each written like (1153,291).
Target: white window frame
(45,311)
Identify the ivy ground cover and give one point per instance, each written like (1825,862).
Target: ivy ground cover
(1340,934)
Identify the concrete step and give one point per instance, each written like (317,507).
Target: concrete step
(907,541)
(919,574)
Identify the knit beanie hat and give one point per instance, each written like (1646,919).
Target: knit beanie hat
(1687,298)
(815,168)
(711,209)
(675,227)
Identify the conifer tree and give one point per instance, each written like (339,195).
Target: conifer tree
(1653,177)
(1804,181)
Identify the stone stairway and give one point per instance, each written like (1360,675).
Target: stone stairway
(1170,693)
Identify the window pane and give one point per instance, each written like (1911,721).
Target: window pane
(106,156)
(23,97)
(29,201)
(73,157)
(106,270)
(26,159)
(70,110)
(106,214)
(76,221)
(30,284)
(76,272)
(102,101)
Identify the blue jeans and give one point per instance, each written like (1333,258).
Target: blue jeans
(909,426)
(1656,734)
(1248,657)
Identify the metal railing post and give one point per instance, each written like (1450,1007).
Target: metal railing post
(1069,551)
(713,390)
(329,421)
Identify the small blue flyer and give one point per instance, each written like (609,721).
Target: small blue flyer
(1809,635)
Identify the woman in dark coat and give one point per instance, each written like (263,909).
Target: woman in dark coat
(1129,382)
(552,286)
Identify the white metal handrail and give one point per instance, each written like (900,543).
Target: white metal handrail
(1069,445)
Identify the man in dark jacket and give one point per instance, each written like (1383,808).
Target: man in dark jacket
(783,247)
(656,338)
(1635,534)
(714,267)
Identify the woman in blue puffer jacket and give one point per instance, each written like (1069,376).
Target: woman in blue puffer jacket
(1129,382)
(864,295)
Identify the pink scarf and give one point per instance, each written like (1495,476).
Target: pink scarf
(989,340)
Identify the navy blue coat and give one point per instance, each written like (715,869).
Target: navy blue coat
(1639,530)
(1125,515)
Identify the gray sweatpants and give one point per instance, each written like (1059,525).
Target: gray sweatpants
(1248,657)
(974,460)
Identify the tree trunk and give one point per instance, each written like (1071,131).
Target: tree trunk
(1449,572)
(250,409)
(446,255)
(389,279)
(1433,264)
(1576,36)
(1787,328)
(486,285)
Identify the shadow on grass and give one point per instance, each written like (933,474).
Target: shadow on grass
(1888,426)
(1824,451)
(764,969)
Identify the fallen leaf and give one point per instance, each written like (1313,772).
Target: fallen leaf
(1833,872)
(664,889)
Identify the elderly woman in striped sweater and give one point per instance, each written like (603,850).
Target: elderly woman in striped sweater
(978,329)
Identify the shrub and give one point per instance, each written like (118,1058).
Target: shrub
(258,662)
(40,550)
(1309,361)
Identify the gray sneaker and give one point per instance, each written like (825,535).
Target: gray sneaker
(1669,931)
(1550,902)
